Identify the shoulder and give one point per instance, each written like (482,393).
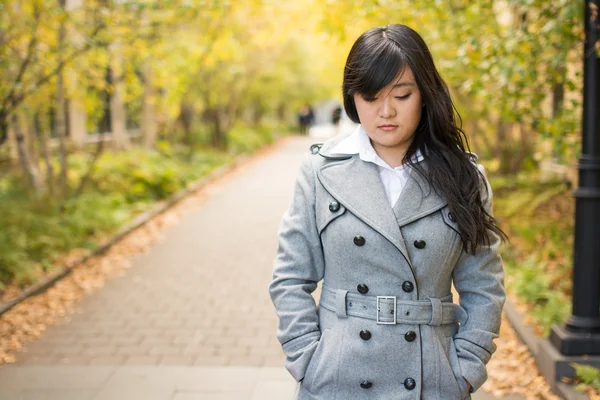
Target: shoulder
(484,185)
(326,150)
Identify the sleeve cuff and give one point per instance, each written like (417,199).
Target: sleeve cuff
(474,371)
(299,352)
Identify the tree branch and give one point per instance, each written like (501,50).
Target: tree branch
(9,99)
(18,99)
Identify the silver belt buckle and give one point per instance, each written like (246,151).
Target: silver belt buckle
(393,299)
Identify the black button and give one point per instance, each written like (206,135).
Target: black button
(410,336)
(408,287)
(359,240)
(420,244)
(362,288)
(410,383)
(334,206)
(365,335)
(366,384)
(451,217)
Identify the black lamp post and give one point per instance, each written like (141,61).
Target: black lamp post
(581,333)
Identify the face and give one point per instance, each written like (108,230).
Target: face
(392,116)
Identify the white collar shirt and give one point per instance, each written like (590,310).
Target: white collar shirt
(393,179)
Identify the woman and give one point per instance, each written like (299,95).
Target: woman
(388,217)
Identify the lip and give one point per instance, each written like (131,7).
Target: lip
(387,127)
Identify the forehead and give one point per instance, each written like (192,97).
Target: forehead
(404,76)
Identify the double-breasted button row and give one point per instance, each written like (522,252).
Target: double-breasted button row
(409,383)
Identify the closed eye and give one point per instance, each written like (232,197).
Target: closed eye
(403,97)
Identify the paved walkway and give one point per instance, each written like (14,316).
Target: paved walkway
(191,319)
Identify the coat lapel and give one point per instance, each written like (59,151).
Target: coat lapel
(416,200)
(356,184)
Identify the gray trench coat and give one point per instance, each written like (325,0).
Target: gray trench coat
(385,327)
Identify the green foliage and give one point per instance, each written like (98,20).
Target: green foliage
(245,139)
(505,63)
(587,375)
(36,231)
(538,258)
(530,281)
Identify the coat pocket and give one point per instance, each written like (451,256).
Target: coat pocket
(451,379)
(321,374)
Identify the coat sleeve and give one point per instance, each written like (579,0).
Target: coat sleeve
(479,280)
(298,267)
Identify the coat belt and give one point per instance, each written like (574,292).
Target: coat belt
(384,310)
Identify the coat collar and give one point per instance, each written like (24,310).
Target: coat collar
(356,184)
(416,200)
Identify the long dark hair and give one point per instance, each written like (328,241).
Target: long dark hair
(375,59)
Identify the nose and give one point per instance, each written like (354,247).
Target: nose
(387,109)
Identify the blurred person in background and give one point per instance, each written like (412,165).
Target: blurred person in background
(306,118)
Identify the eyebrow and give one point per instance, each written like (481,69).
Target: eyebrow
(404,84)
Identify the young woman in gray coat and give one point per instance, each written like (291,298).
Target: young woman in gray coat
(388,217)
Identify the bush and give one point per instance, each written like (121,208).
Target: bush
(36,231)
(245,139)
(538,217)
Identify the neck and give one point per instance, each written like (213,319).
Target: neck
(392,156)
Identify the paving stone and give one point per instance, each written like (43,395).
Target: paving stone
(33,358)
(53,377)
(142,360)
(96,350)
(179,360)
(212,396)
(73,360)
(212,360)
(133,350)
(45,394)
(108,360)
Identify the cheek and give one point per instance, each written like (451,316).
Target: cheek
(414,112)
(364,112)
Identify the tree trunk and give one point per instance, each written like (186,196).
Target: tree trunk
(31,173)
(219,138)
(503,147)
(60,123)
(77,117)
(117,107)
(41,133)
(149,126)
(558,94)
(186,116)
(3,128)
